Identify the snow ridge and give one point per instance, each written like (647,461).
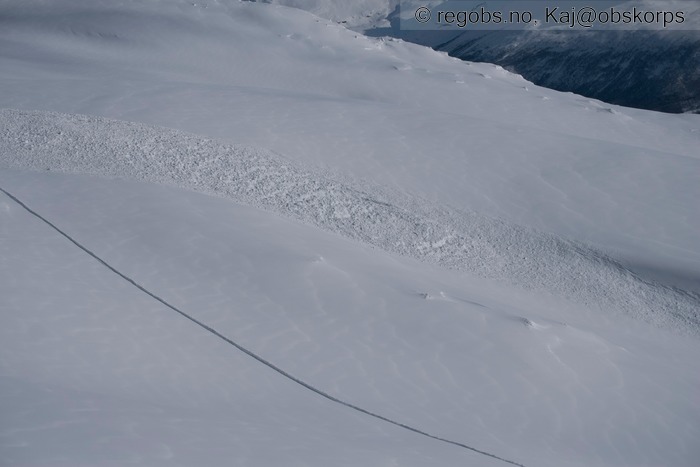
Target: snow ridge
(397,223)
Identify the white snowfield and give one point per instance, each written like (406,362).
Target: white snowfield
(95,372)
(407,261)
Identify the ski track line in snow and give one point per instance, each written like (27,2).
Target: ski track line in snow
(245,350)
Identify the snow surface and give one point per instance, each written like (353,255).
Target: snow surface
(440,243)
(472,136)
(409,226)
(96,373)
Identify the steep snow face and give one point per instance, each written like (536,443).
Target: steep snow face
(471,136)
(95,372)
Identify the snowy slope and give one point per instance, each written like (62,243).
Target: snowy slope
(656,70)
(440,244)
(371,214)
(641,67)
(471,136)
(94,372)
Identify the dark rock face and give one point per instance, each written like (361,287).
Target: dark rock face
(653,70)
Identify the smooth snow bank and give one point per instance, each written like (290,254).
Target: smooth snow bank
(93,372)
(472,136)
(409,226)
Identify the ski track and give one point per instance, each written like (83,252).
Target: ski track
(248,352)
(394,222)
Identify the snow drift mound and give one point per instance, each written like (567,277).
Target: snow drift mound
(409,226)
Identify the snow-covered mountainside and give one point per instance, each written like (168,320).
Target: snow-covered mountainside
(472,136)
(236,233)
(642,68)
(654,70)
